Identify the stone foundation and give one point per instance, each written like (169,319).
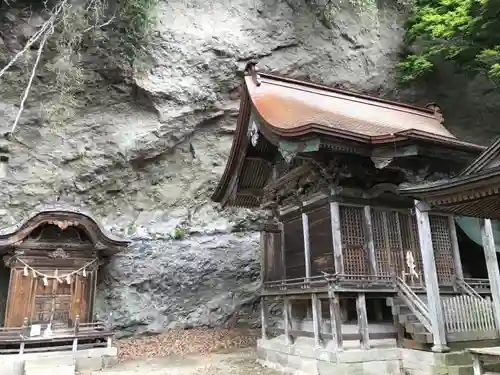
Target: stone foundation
(302,358)
(85,360)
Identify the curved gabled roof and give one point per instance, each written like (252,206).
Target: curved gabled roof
(292,110)
(62,215)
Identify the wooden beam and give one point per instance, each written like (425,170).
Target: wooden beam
(431,280)
(282,251)
(264,316)
(369,244)
(459,273)
(317,320)
(362,321)
(338,257)
(287,320)
(263,257)
(307,249)
(335,321)
(490,254)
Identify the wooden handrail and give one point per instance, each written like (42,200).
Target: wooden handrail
(466,288)
(414,303)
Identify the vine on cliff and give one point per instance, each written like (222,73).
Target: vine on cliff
(116,31)
(466,32)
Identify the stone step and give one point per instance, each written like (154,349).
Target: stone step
(47,370)
(60,360)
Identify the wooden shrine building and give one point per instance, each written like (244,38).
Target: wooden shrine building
(352,259)
(50,276)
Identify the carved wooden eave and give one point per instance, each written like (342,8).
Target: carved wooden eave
(64,217)
(476,195)
(485,160)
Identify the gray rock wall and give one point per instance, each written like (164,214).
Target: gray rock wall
(145,157)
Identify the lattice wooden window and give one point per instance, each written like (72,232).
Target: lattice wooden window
(443,251)
(386,238)
(353,240)
(410,242)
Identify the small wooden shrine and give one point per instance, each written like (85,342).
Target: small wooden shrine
(350,257)
(52,261)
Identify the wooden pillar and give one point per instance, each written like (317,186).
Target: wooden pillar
(431,280)
(362,321)
(263,256)
(338,258)
(283,251)
(459,273)
(307,249)
(370,246)
(490,254)
(264,317)
(287,320)
(335,321)
(317,319)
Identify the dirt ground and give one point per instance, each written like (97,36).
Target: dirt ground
(228,362)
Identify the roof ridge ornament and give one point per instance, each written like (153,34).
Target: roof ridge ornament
(251,69)
(438,113)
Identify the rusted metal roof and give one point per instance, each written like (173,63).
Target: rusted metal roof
(292,108)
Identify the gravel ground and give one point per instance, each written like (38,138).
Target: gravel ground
(229,362)
(189,352)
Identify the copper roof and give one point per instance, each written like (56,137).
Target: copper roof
(291,108)
(294,110)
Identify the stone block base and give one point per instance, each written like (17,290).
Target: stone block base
(303,358)
(85,360)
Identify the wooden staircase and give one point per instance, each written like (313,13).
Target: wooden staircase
(467,315)
(412,325)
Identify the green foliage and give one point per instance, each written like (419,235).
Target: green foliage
(179,233)
(466,32)
(133,28)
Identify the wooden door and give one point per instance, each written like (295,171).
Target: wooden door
(19,300)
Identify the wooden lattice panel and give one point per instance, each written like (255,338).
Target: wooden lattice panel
(381,241)
(353,240)
(408,230)
(441,242)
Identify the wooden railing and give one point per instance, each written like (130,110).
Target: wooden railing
(335,281)
(418,307)
(466,288)
(478,284)
(21,339)
(464,313)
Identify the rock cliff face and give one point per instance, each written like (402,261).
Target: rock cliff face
(144,157)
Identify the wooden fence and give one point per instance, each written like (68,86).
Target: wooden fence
(466,313)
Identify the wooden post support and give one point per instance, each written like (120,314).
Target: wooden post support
(317,319)
(287,320)
(335,321)
(362,321)
(282,251)
(477,365)
(264,316)
(76,328)
(431,280)
(263,256)
(490,254)
(24,334)
(370,246)
(307,249)
(459,273)
(338,258)
(109,326)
